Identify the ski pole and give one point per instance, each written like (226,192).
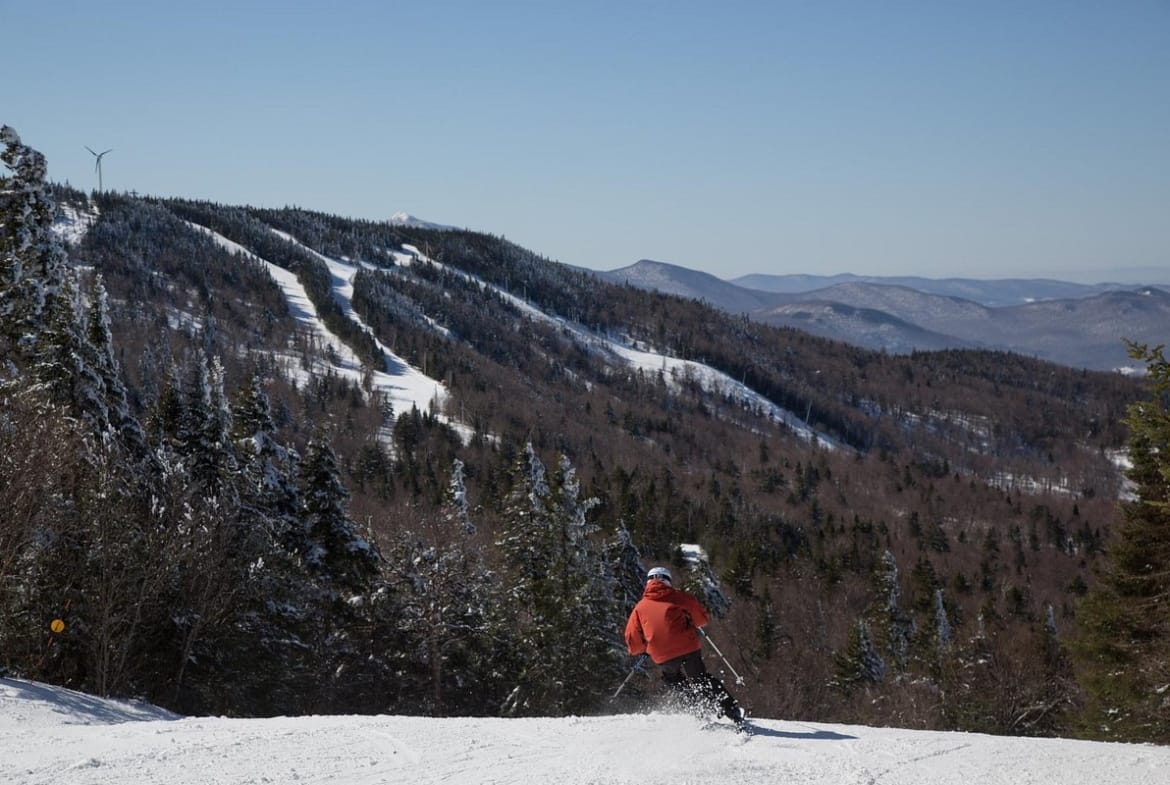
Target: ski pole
(706,637)
(637,667)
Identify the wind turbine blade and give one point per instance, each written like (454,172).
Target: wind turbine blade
(87,147)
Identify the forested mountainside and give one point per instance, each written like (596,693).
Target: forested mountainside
(228,521)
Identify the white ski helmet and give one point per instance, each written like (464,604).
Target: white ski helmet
(660,574)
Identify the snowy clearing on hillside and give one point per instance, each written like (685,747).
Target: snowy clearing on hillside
(53,735)
(675,372)
(408,384)
(404,385)
(71,224)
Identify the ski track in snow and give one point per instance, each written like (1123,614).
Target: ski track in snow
(51,735)
(403,384)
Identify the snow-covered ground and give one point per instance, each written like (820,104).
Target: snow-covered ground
(49,735)
(72,224)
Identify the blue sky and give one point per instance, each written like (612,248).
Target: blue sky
(978,139)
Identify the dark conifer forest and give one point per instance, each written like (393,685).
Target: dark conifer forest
(225,522)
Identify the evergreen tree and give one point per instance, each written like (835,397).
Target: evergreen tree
(268,468)
(450,609)
(701,581)
(626,563)
(894,625)
(859,664)
(42,326)
(456,508)
(217,553)
(1056,692)
(526,541)
(1123,650)
(767,631)
(205,435)
(59,359)
(100,342)
(561,589)
(943,634)
(529,544)
(596,617)
(344,559)
(281,602)
(166,415)
(92,553)
(32,262)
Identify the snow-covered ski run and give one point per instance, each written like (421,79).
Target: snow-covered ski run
(49,735)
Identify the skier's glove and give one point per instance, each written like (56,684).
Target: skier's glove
(640,662)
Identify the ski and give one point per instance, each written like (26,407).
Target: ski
(741,728)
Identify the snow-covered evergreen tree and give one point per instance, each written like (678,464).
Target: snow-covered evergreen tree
(456,507)
(450,609)
(282,603)
(943,634)
(100,343)
(32,262)
(526,539)
(336,550)
(894,626)
(267,467)
(205,434)
(626,563)
(59,358)
(561,589)
(43,327)
(589,579)
(859,664)
(701,580)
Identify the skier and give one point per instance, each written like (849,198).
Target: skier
(665,625)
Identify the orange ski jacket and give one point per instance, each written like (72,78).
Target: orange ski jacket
(665,623)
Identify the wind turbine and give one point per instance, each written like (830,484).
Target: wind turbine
(98,164)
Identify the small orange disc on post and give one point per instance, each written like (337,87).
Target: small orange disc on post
(57,625)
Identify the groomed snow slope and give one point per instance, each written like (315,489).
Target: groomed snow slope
(51,735)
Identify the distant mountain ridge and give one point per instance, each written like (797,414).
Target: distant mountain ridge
(994,292)
(1078,325)
(413,222)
